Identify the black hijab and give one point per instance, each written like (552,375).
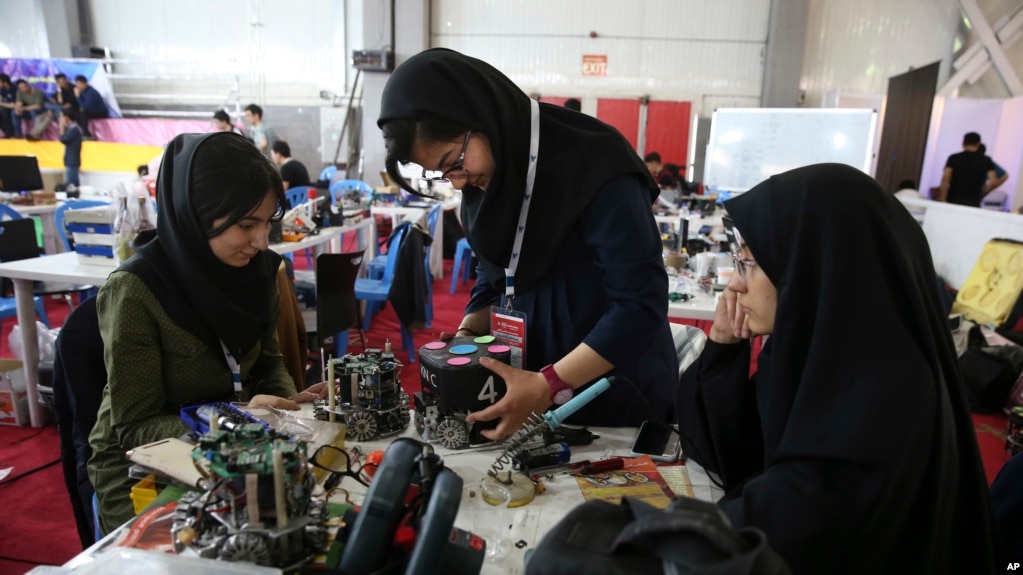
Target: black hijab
(578,154)
(862,380)
(203,295)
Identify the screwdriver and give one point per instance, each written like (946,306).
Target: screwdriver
(591,467)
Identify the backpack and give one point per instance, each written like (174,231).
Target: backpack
(689,537)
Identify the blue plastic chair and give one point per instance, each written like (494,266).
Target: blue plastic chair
(462,252)
(374,292)
(8,213)
(58,216)
(328,173)
(296,196)
(338,189)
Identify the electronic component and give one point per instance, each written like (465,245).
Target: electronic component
(202,417)
(531,460)
(366,395)
(259,506)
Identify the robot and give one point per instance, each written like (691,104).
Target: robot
(259,505)
(367,395)
(453,384)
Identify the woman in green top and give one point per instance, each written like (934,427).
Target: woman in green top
(192,318)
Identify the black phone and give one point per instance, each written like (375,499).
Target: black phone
(658,440)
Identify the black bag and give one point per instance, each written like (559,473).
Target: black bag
(989,377)
(689,537)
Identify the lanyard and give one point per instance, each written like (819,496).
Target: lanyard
(520,230)
(236,371)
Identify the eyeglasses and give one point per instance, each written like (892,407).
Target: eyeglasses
(456,170)
(338,463)
(742,265)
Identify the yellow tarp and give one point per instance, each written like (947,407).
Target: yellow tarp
(96,156)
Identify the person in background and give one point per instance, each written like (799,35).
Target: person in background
(222,122)
(968,175)
(262,136)
(192,318)
(662,176)
(293,172)
(805,448)
(588,277)
(29,106)
(574,104)
(8,97)
(64,98)
(907,189)
(71,137)
(91,105)
(1000,174)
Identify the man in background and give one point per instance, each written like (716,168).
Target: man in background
(262,136)
(222,122)
(293,172)
(907,189)
(71,137)
(90,104)
(1000,174)
(574,104)
(662,176)
(64,98)
(29,105)
(968,176)
(8,96)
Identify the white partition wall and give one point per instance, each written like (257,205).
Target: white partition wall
(998,123)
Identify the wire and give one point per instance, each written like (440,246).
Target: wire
(10,480)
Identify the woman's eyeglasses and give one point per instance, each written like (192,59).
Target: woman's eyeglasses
(338,463)
(742,265)
(456,170)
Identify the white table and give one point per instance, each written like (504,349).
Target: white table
(700,308)
(65,268)
(398,213)
(502,527)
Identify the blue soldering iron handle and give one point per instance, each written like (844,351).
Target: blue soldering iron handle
(555,417)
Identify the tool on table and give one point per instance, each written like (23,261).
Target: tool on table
(501,486)
(593,467)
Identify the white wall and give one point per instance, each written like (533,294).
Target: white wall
(704,52)
(957,235)
(998,123)
(281,52)
(23,30)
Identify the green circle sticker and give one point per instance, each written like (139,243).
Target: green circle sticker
(485,339)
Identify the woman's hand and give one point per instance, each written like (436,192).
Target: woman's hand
(316,391)
(528,392)
(264,400)
(730,323)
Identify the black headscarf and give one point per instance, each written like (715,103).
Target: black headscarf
(203,295)
(578,154)
(862,383)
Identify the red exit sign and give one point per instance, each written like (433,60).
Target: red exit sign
(594,64)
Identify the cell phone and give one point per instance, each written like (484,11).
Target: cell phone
(658,440)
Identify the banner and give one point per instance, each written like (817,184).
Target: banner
(40,72)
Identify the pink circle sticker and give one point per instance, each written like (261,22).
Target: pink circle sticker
(436,345)
(459,361)
(498,349)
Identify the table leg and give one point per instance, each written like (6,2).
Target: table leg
(30,349)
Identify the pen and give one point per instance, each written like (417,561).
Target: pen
(590,467)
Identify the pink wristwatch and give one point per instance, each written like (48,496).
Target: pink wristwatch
(560,391)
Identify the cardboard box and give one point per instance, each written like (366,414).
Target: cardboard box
(13,395)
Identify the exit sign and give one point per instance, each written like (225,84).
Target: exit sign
(594,64)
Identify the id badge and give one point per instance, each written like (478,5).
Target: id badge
(509,326)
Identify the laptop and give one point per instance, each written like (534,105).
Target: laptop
(20,174)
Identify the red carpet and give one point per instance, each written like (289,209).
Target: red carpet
(36,525)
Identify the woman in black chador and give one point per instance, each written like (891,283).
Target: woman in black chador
(852,447)
(584,252)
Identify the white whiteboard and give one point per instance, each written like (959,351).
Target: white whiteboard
(749,145)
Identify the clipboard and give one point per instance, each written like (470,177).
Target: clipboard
(171,457)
